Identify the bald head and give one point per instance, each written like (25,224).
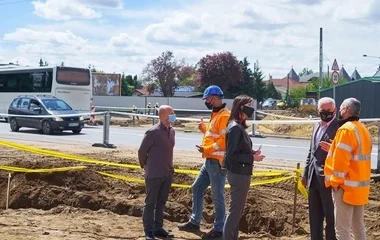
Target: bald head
(163,113)
(165,110)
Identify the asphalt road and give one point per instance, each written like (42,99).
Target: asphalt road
(272,148)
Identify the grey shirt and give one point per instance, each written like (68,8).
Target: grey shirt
(156,151)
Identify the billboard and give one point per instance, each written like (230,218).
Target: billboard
(106,84)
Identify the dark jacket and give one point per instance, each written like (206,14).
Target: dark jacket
(315,161)
(239,156)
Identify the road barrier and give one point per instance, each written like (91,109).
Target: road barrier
(107,118)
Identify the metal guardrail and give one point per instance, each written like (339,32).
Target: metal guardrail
(107,120)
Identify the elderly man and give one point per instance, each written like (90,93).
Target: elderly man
(348,171)
(320,200)
(156,157)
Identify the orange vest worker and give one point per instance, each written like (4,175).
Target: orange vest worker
(214,139)
(348,163)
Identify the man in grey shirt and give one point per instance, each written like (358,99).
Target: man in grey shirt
(156,157)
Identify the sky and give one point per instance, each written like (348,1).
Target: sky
(124,35)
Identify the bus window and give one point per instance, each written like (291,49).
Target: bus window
(26,82)
(73,76)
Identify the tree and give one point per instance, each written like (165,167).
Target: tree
(271,91)
(305,72)
(222,69)
(41,62)
(163,71)
(151,87)
(298,93)
(247,85)
(259,85)
(186,76)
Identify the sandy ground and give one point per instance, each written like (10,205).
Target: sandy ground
(83,204)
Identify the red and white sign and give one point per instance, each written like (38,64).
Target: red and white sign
(335,77)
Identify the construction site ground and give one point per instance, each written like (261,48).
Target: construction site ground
(82,204)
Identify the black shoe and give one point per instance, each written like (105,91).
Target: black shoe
(212,235)
(162,233)
(188,227)
(149,236)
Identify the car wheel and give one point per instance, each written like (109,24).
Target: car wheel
(46,127)
(77,131)
(14,125)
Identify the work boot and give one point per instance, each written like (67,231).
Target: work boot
(212,235)
(188,227)
(149,235)
(163,233)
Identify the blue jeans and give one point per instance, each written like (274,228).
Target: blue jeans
(210,173)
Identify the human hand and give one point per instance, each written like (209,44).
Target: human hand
(200,148)
(325,145)
(258,157)
(258,151)
(201,124)
(304,181)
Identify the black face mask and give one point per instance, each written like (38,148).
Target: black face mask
(326,116)
(248,111)
(208,105)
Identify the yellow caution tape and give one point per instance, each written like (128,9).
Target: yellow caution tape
(49,170)
(272,173)
(302,188)
(176,185)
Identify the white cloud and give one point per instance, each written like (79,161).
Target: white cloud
(279,33)
(64,10)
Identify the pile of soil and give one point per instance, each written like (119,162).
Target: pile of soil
(88,190)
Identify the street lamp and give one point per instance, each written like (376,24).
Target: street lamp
(365,55)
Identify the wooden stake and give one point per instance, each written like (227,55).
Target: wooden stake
(295,196)
(9,184)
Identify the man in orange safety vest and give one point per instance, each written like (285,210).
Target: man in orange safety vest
(348,171)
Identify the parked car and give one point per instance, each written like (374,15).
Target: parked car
(43,105)
(269,103)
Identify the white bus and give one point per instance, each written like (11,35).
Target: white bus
(73,85)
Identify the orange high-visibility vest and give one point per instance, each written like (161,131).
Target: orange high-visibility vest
(348,163)
(214,139)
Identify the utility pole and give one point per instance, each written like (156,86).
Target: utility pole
(320,61)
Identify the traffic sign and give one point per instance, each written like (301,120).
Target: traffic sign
(335,66)
(335,77)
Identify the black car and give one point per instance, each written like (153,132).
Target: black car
(43,105)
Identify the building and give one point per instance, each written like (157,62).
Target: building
(140,92)
(282,84)
(365,90)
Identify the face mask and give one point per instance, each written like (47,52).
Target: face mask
(248,111)
(209,105)
(171,118)
(326,116)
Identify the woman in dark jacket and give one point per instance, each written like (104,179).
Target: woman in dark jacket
(238,160)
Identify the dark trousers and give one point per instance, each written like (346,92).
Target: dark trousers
(320,207)
(239,191)
(157,193)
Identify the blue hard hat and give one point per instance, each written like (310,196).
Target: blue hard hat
(212,90)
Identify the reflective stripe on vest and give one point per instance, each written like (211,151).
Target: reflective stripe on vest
(216,146)
(351,183)
(218,153)
(354,157)
(339,174)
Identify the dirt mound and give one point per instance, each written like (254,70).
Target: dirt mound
(87,189)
